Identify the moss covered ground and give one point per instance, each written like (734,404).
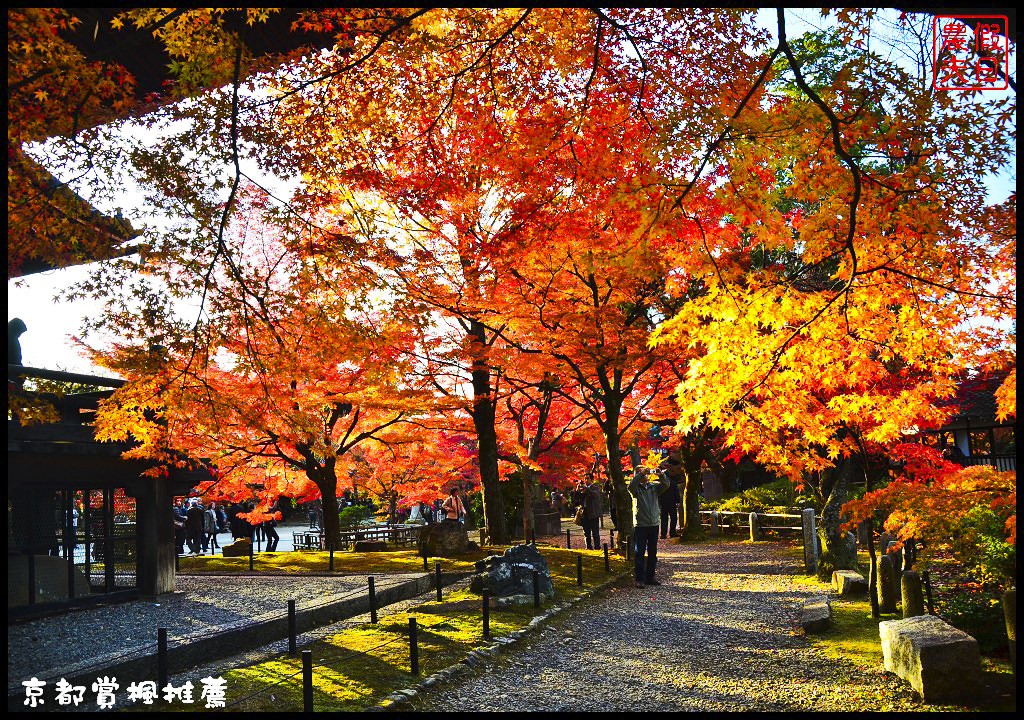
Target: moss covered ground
(362,665)
(393,562)
(855,637)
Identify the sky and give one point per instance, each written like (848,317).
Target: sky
(51,323)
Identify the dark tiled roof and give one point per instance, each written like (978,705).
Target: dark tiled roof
(976,396)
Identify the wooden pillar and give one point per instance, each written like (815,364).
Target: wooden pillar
(154,529)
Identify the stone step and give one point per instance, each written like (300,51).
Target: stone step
(816,615)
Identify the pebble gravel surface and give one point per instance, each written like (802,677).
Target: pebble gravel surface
(720,633)
(201,603)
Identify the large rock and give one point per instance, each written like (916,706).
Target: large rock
(444,539)
(241,547)
(511,575)
(940,662)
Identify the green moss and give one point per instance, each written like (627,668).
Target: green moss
(348,562)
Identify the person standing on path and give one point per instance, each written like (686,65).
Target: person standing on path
(669,501)
(589,493)
(453,507)
(194,527)
(210,528)
(645,487)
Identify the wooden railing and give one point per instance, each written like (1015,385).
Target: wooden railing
(740,519)
(1002,462)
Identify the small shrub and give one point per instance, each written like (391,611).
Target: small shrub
(764,498)
(979,613)
(350,517)
(980,548)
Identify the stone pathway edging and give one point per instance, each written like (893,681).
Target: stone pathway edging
(480,656)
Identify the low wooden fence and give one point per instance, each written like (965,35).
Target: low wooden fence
(718,521)
(732,520)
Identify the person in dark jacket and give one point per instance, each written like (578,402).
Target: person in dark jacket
(669,503)
(179,527)
(236,523)
(269,532)
(194,527)
(588,494)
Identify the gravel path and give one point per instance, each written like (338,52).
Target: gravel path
(720,633)
(44,646)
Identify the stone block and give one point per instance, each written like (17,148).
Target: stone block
(51,580)
(239,548)
(849,583)
(886,590)
(370,546)
(816,615)
(941,663)
(810,534)
(444,539)
(913,597)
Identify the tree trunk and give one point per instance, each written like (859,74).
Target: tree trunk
(487,441)
(623,500)
(528,520)
(690,529)
(835,551)
(726,475)
(327,481)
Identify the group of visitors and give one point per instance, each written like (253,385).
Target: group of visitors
(453,507)
(197,526)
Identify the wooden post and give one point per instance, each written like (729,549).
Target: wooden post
(307,681)
(926,579)
(31,575)
(161,658)
(291,628)
(373,600)
(1010,615)
(487,612)
(69,540)
(414,656)
(607,565)
(438,582)
(108,540)
(579,570)
(568,539)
